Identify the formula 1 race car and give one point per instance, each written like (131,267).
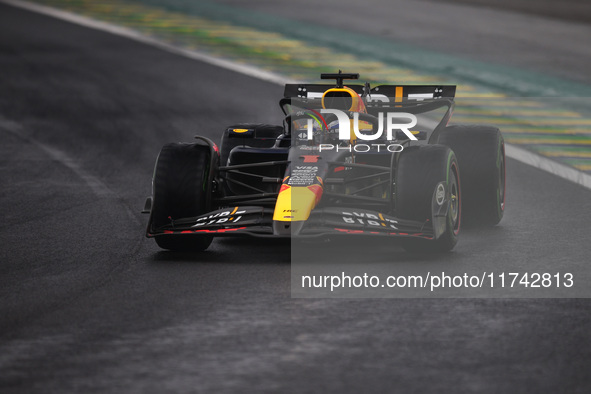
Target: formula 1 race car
(351,160)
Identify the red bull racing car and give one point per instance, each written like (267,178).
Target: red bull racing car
(348,160)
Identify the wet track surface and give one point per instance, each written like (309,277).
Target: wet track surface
(88,304)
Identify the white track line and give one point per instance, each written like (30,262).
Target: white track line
(512,151)
(95,184)
(548,165)
(99,188)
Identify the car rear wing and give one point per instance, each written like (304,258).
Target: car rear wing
(377,93)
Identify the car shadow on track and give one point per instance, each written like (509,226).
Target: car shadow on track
(233,250)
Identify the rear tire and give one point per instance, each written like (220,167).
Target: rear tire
(179,190)
(481,155)
(420,172)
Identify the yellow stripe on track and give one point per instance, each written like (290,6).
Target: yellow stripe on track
(547,122)
(507,102)
(537,130)
(517,112)
(566,154)
(553,141)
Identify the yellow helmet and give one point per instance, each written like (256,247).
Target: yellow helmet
(344,99)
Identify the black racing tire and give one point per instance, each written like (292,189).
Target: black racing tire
(265,136)
(179,191)
(419,173)
(481,155)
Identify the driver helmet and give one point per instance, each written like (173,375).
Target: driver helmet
(344,99)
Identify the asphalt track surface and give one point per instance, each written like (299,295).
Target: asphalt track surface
(89,305)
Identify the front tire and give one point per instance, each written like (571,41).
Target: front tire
(424,175)
(180,191)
